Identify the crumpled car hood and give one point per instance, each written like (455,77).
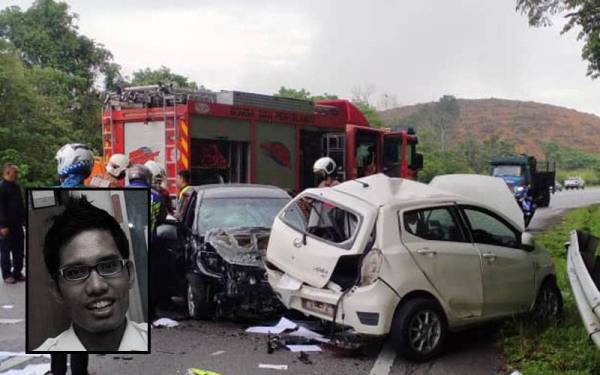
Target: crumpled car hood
(240,246)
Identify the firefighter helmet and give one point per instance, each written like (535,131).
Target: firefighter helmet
(138,173)
(157,170)
(324,165)
(117,164)
(74,159)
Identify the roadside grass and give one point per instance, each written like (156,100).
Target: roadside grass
(563,347)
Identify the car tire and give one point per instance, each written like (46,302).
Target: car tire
(548,303)
(412,320)
(199,301)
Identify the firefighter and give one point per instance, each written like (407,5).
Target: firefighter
(140,176)
(182,181)
(158,182)
(114,176)
(75,163)
(324,169)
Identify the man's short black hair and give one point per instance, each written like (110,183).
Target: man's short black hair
(79,216)
(186,175)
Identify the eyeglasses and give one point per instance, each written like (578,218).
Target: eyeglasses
(106,268)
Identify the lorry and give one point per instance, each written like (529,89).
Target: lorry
(240,137)
(524,171)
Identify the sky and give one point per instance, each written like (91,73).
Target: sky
(408,51)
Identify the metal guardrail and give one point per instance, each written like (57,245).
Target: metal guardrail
(581,263)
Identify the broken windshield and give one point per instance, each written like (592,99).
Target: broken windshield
(238,212)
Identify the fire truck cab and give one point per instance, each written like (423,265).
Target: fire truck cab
(239,137)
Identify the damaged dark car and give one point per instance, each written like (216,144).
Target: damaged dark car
(215,256)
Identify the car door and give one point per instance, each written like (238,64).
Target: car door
(438,243)
(508,271)
(312,233)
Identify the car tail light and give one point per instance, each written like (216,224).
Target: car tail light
(369,269)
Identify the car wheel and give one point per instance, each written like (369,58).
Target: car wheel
(548,303)
(419,329)
(198,300)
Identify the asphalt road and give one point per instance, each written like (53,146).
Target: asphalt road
(224,347)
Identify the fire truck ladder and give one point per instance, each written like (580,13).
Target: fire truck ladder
(171,137)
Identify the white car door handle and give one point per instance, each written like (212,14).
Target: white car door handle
(298,242)
(489,256)
(426,251)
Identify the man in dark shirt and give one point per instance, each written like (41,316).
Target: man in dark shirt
(12,219)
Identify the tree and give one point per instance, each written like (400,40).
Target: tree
(32,126)
(582,13)
(444,116)
(161,75)
(47,35)
(62,64)
(302,94)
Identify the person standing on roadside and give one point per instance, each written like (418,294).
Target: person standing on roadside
(12,219)
(184,196)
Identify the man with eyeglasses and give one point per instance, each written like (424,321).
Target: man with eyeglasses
(87,254)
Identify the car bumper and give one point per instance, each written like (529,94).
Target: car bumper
(367,310)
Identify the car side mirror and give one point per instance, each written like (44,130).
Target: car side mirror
(527,241)
(417,163)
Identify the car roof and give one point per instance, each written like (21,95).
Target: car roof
(217,191)
(380,190)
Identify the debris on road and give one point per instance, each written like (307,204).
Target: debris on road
(165,322)
(303,357)
(8,306)
(37,369)
(199,371)
(303,348)
(218,353)
(274,367)
(282,325)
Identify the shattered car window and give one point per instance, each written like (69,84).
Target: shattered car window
(435,224)
(489,230)
(321,219)
(238,212)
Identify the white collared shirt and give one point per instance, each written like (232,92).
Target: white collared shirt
(135,338)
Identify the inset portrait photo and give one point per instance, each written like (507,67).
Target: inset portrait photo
(87,270)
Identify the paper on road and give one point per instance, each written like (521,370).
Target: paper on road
(277,329)
(303,348)
(304,332)
(274,367)
(165,322)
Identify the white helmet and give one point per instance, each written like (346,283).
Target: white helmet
(157,170)
(117,164)
(74,158)
(324,165)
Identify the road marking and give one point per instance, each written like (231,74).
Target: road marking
(385,361)
(14,361)
(11,321)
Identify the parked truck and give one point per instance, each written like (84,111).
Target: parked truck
(239,137)
(520,171)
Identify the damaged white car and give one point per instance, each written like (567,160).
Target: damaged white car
(388,256)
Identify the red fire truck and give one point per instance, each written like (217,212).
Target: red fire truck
(233,136)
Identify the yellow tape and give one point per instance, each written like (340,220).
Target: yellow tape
(198,371)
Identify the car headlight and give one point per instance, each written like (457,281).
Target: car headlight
(370,267)
(211,261)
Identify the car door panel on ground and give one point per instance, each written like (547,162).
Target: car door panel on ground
(508,271)
(451,263)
